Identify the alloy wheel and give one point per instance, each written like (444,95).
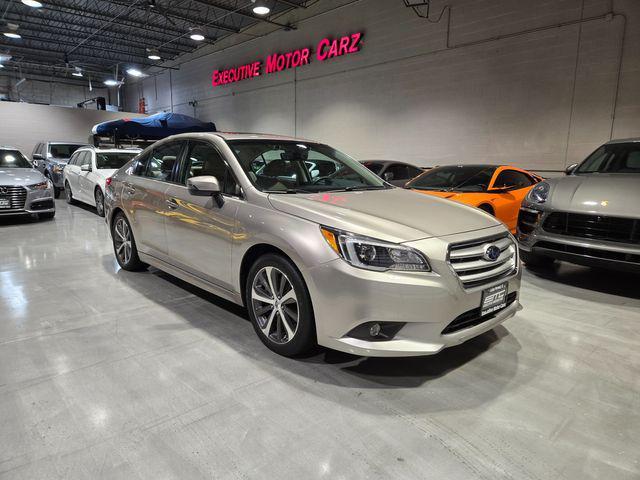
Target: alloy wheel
(67,192)
(99,202)
(275,305)
(122,240)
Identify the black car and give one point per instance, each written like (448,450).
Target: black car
(396,173)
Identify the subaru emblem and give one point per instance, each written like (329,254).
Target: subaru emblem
(491,253)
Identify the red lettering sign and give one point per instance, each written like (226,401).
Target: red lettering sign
(277,62)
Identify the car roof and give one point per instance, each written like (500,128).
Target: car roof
(241,136)
(64,143)
(9,147)
(110,150)
(623,140)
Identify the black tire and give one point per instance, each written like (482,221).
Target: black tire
(46,216)
(68,195)
(303,339)
(130,262)
(534,260)
(487,208)
(99,198)
(56,192)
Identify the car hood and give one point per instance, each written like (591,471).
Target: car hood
(20,176)
(394,215)
(606,194)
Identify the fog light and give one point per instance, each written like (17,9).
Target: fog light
(374,331)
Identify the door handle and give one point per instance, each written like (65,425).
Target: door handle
(130,189)
(172,203)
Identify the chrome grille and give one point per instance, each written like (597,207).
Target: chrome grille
(16,195)
(472,266)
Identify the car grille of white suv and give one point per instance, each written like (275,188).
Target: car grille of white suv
(474,267)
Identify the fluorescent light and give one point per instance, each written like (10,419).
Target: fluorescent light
(32,3)
(1,65)
(196,35)
(12,35)
(260,7)
(153,54)
(261,10)
(134,72)
(110,82)
(77,74)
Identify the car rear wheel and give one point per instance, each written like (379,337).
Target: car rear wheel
(67,194)
(280,307)
(124,245)
(99,197)
(534,260)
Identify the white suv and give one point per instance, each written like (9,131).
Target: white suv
(86,174)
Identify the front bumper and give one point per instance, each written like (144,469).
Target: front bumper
(532,238)
(29,202)
(345,297)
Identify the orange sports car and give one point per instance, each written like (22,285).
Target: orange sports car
(496,189)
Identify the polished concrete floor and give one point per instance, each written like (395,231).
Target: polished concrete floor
(111,374)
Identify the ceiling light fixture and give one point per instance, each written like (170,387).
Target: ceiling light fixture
(111,82)
(260,8)
(11,30)
(134,72)
(153,54)
(77,72)
(1,65)
(196,35)
(32,3)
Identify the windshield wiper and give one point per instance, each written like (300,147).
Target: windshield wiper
(359,188)
(289,191)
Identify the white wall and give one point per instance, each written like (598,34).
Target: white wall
(23,125)
(510,81)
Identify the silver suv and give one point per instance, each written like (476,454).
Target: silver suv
(590,217)
(342,259)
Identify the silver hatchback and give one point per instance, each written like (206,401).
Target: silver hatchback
(317,247)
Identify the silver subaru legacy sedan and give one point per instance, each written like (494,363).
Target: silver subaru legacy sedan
(318,248)
(23,189)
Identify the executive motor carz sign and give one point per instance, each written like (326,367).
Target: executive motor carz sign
(325,49)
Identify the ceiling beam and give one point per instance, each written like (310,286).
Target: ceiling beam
(255,18)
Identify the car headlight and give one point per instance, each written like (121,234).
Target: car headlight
(39,186)
(539,193)
(372,254)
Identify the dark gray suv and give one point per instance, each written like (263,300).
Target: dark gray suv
(50,159)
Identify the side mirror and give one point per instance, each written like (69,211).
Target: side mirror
(37,156)
(571,168)
(205,186)
(388,176)
(85,168)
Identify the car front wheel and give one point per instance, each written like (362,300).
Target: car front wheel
(280,307)
(124,245)
(67,193)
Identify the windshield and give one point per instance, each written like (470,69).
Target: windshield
(62,150)
(13,159)
(612,158)
(463,178)
(301,167)
(113,160)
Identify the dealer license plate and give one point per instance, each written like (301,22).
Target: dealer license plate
(5,203)
(493,299)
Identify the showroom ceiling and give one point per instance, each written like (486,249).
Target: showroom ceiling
(91,38)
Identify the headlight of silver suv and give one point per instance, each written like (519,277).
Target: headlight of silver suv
(39,186)
(539,193)
(372,254)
